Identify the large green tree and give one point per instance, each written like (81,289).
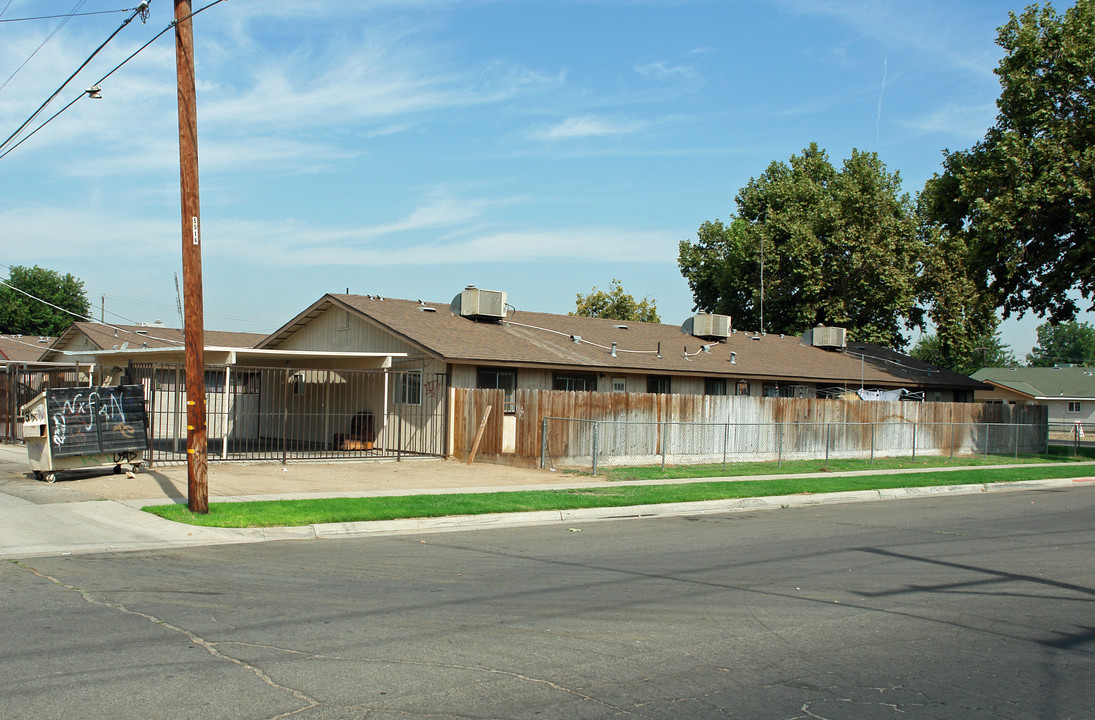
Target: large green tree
(616,304)
(37,301)
(839,247)
(1023,196)
(1068,343)
(989,351)
(957,302)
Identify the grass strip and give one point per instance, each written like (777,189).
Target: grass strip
(792,467)
(291,513)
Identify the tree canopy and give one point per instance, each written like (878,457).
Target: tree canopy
(24,313)
(1068,343)
(988,351)
(839,247)
(1023,196)
(615,304)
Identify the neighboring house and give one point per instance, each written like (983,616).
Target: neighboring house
(91,337)
(1067,392)
(23,348)
(479,341)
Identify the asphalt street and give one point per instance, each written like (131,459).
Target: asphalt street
(965,606)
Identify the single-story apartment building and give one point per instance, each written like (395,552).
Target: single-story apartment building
(479,341)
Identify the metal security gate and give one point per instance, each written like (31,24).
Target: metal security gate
(281,414)
(21,382)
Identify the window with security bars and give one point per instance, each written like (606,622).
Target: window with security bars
(408,388)
(499,379)
(659,384)
(579,382)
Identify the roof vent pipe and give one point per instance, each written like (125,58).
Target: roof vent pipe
(613,352)
(733,358)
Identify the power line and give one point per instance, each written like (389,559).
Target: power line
(82,317)
(43,43)
(69,15)
(140,9)
(95,86)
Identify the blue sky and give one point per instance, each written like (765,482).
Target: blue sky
(408,148)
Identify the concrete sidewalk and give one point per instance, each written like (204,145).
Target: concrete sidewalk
(95,511)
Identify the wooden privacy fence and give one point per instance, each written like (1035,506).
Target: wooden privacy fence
(589,429)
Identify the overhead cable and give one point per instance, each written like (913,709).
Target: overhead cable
(140,9)
(94,89)
(85,317)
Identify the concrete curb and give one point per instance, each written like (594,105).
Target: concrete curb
(549,517)
(107,526)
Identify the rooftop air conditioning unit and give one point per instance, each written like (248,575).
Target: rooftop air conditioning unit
(478,303)
(829,337)
(711,326)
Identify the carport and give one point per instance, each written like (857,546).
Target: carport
(286,404)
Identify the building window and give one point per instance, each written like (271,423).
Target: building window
(577,382)
(499,379)
(714,386)
(770,390)
(742,388)
(408,388)
(1074,406)
(619,385)
(658,384)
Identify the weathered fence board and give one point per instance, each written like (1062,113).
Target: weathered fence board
(705,428)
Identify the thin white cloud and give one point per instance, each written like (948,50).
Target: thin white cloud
(968,122)
(587,126)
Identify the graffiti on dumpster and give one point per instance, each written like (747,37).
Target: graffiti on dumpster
(100,419)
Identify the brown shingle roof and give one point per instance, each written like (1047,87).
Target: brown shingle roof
(545,340)
(108,337)
(23,348)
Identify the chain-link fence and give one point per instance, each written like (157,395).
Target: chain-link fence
(596,444)
(1071,434)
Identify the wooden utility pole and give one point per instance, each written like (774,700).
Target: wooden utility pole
(197,450)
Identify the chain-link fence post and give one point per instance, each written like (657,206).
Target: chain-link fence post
(873,425)
(828,428)
(725,442)
(779,450)
(543,444)
(595,424)
(665,438)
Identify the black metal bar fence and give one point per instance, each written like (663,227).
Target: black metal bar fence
(596,444)
(281,414)
(22,382)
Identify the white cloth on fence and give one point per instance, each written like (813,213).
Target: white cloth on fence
(880,395)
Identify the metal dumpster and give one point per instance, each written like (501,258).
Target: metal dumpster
(83,427)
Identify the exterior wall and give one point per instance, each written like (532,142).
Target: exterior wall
(339,330)
(1059,414)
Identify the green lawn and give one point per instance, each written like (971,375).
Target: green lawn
(794,467)
(285,513)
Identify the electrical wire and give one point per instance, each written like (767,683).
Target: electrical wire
(69,15)
(98,82)
(84,64)
(43,43)
(85,317)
